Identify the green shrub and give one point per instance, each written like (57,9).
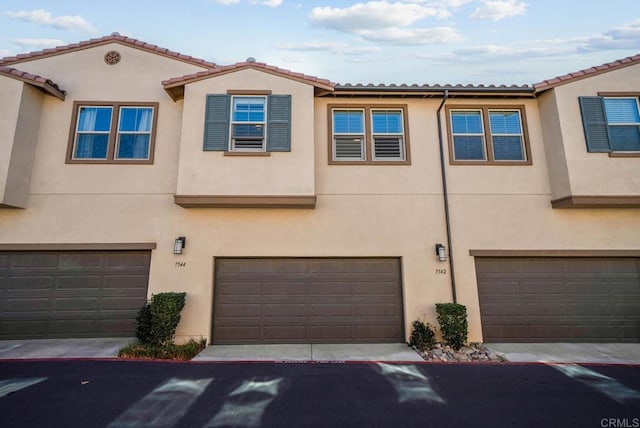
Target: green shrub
(169,351)
(452,318)
(158,319)
(143,324)
(422,336)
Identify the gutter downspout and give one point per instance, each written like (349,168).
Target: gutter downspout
(445,194)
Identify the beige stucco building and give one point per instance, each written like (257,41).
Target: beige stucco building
(311,211)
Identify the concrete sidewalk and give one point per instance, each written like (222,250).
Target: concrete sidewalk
(309,352)
(597,353)
(62,348)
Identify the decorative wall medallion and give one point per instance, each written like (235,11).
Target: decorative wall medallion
(112,57)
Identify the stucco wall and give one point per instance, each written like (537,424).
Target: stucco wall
(212,173)
(11,96)
(596,173)
(554,147)
(22,155)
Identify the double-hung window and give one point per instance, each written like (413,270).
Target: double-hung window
(248,124)
(611,124)
(367,134)
(480,135)
(253,124)
(112,133)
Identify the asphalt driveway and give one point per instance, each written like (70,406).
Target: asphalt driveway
(126,394)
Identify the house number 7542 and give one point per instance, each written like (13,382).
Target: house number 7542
(181,264)
(441,271)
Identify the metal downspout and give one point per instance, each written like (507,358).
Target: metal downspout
(445,195)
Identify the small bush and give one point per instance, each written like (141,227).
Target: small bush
(452,318)
(143,324)
(169,351)
(422,336)
(158,319)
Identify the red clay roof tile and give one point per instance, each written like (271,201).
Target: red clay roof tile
(46,85)
(115,37)
(587,72)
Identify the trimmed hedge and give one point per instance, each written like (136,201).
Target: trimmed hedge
(158,319)
(452,318)
(422,336)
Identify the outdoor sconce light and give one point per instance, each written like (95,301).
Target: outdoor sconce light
(440,252)
(179,245)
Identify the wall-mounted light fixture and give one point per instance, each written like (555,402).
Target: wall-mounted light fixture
(441,252)
(179,245)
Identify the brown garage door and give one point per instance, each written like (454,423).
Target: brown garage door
(327,300)
(559,299)
(57,294)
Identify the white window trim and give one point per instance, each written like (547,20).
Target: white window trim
(232,122)
(521,135)
(78,132)
(363,135)
(389,134)
(482,135)
(118,133)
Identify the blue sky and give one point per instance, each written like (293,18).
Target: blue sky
(425,42)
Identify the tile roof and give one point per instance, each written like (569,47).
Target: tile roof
(113,38)
(46,85)
(177,82)
(587,72)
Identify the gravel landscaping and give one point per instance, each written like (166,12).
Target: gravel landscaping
(473,352)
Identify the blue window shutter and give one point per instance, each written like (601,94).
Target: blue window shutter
(216,123)
(279,123)
(594,121)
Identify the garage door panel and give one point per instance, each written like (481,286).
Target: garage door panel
(330,309)
(319,289)
(128,260)
(590,299)
(286,287)
(311,300)
(78,282)
(284,332)
(538,267)
(284,310)
(81,261)
(63,293)
(376,331)
(34,261)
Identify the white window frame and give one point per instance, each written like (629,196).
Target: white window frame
(389,134)
(78,132)
(521,134)
(363,136)
(482,134)
(118,133)
(232,122)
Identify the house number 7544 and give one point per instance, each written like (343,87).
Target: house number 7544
(441,271)
(181,264)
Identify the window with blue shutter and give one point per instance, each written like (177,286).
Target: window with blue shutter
(611,124)
(247,123)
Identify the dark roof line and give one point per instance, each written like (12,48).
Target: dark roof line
(113,38)
(44,84)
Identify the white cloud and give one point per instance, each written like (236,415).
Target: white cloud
(226,2)
(38,43)
(372,15)
(624,37)
(421,36)
(45,19)
(332,47)
(381,21)
(268,3)
(496,10)
(4,52)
